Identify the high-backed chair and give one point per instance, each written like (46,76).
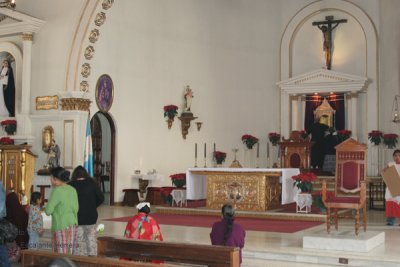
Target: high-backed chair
(350,187)
(295,151)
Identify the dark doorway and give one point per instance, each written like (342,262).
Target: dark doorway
(103,138)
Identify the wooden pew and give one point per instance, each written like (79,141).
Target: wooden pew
(42,258)
(208,255)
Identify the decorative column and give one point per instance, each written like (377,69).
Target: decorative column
(302,111)
(27,38)
(285,115)
(353,114)
(295,112)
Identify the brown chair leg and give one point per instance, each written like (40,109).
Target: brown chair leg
(336,219)
(357,220)
(365,217)
(328,220)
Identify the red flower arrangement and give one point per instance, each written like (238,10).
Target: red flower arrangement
(390,140)
(165,193)
(303,134)
(219,156)
(317,200)
(375,137)
(249,140)
(303,181)
(178,179)
(10,126)
(8,122)
(274,138)
(343,135)
(170,111)
(6,141)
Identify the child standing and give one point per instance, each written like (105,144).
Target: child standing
(35,221)
(393,203)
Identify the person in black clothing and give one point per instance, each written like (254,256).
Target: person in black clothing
(89,198)
(317,132)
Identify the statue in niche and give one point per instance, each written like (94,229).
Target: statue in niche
(188,99)
(50,147)
(53,155)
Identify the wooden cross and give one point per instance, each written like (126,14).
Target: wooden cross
(327,26)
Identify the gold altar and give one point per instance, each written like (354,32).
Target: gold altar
(250,191)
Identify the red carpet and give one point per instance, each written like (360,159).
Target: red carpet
(251,224)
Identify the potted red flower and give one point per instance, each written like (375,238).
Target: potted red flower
(6,141)
(303,134)
(249,140)
(274,138)
(375,137)
(317,200)
(178,179)
(170,111)
(219,156)
(390,140)
(10,126)
(303,181)
(343,135)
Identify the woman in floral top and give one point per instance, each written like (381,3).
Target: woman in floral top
(35,221)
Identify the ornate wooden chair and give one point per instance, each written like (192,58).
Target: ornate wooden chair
(295,151)
(350,184)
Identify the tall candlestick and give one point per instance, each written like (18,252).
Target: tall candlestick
(205,149)
(214,148)
(258,150)
(195,150)
(267,150)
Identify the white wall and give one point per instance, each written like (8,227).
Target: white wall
(227,51)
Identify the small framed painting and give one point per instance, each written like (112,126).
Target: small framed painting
(104,92)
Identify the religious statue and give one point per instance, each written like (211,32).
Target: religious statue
(54,155)
(327,27)
(188,98)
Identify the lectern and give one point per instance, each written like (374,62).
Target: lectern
(17,165)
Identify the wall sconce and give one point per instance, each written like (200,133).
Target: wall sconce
(395,110)
(185,123)
(199,125)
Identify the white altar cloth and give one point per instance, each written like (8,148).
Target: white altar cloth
(196,187)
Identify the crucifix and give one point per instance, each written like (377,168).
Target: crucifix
(327,26)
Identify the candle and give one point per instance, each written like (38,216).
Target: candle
(267,150)
(205,150)
(195,150)
(214,148)
(258,150)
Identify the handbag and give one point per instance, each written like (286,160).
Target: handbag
(8,231)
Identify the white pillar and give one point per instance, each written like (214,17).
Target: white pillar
(26,72)
(285,114)
(302,106)
(353,114)
(295,113)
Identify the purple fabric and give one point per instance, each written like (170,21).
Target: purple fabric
(236,238)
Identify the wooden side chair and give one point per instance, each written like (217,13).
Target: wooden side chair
(295,151)
(350,185)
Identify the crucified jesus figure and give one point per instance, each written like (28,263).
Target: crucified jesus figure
(327,27)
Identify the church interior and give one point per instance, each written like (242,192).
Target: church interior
(247,79)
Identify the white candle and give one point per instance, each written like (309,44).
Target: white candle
(195,150)
(205,150)
(267,150)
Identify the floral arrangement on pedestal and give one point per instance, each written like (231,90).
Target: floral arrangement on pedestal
(170,111)
(165,193)
(219,156)
(274,138)
(10,126)
(249,140)
(390,140)
(178,179)
(317,200)
(375,137)
(343,135)
(303,181)
(6,141)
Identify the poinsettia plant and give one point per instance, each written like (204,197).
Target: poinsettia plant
(274,138)
(375,137)
(6,141)
(219,156)
(178,179)
(303,181)
(170,111)
(317,200)
(390,140)
(10,126)
(303,134)
(343,134)
(249,140)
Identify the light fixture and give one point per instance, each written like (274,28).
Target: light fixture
(8,4)
(198,124)
(395,109)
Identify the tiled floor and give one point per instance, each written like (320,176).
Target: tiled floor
(276,249)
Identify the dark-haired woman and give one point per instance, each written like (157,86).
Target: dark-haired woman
(89,198)
(35,222)
(226,232)
(63,208)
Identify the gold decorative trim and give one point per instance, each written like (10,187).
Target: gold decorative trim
(84,86)
(46,102)
(100,19)
(85,70)
(89,52)
(94,35)
(27,36)
(107,4)
(75,104)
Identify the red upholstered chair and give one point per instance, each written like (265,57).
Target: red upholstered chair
(295,151)
(350,187)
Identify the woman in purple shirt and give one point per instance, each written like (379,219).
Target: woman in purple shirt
(226,232)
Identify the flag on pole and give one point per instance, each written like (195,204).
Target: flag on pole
(88,160)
